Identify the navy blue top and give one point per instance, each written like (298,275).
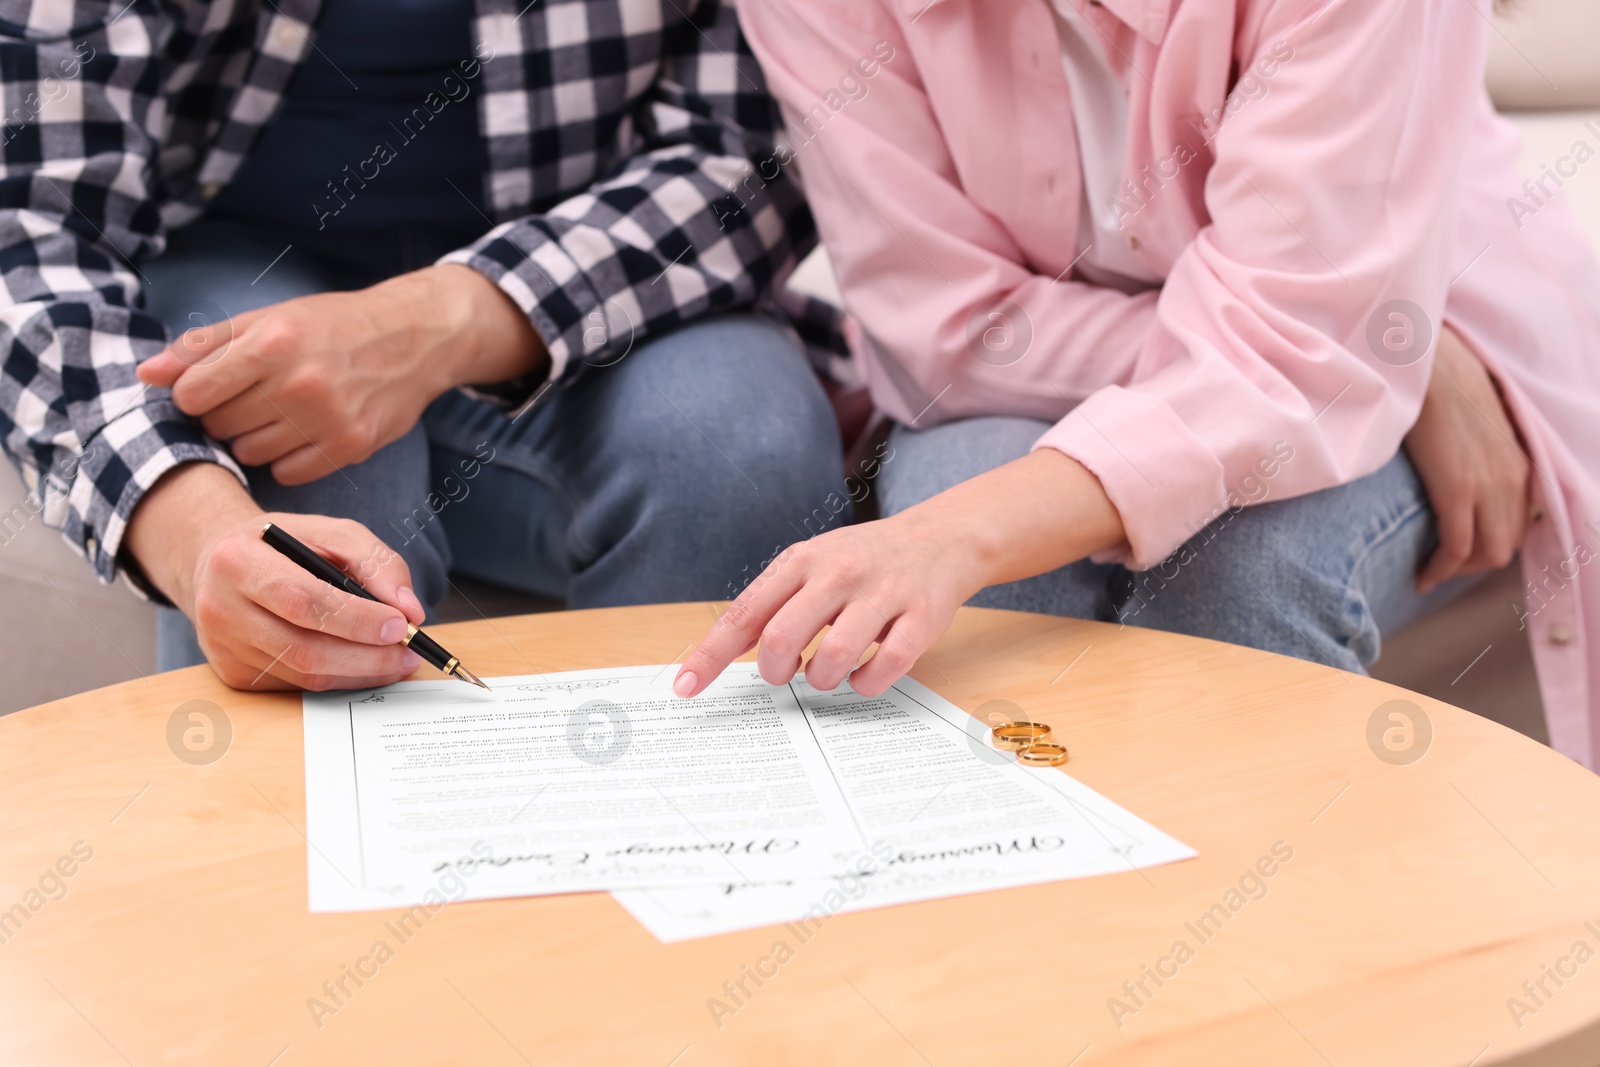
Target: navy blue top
(382,109)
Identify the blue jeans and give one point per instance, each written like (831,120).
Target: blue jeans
(1319,577)
(663,477)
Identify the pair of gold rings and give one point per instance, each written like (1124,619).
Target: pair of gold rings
(1029,740)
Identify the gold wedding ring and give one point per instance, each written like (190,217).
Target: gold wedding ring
(1015,735)
(1042,754)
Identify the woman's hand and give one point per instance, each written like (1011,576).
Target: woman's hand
(899,581)
(1466,451)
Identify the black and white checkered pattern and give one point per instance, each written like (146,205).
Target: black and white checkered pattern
(622,135)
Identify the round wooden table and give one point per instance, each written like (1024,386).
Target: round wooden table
(1434,895)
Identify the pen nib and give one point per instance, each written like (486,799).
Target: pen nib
(467,676)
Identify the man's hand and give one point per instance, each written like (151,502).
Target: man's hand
(263,622)
(1466,452)
(314,384)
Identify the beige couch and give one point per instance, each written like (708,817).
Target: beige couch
(74,634)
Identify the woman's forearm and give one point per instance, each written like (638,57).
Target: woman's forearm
(1027,517)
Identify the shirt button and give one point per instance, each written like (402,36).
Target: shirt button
(209,190)
(1536,514)
(286,34)
(1133,242)
(1560,635)
(92,546)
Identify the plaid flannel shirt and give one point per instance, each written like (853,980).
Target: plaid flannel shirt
(622,136)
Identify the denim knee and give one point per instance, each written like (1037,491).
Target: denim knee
(712,448)
(741,387)
(1306,577)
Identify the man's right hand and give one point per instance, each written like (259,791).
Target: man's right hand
(263,622)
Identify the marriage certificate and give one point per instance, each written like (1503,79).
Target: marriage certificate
(748,805)
(557,783)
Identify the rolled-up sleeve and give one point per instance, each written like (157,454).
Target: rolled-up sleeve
(77,216)
(680,227)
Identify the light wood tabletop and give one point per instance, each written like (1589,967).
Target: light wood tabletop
(1422,870)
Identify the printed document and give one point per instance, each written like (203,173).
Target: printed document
(749,805)
(945,812)
(552,784)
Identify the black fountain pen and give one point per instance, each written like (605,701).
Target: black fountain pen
(416,640)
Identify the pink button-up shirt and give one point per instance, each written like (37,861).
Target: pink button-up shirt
(1319,182)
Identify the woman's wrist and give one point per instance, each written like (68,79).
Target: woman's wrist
(1028,517)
